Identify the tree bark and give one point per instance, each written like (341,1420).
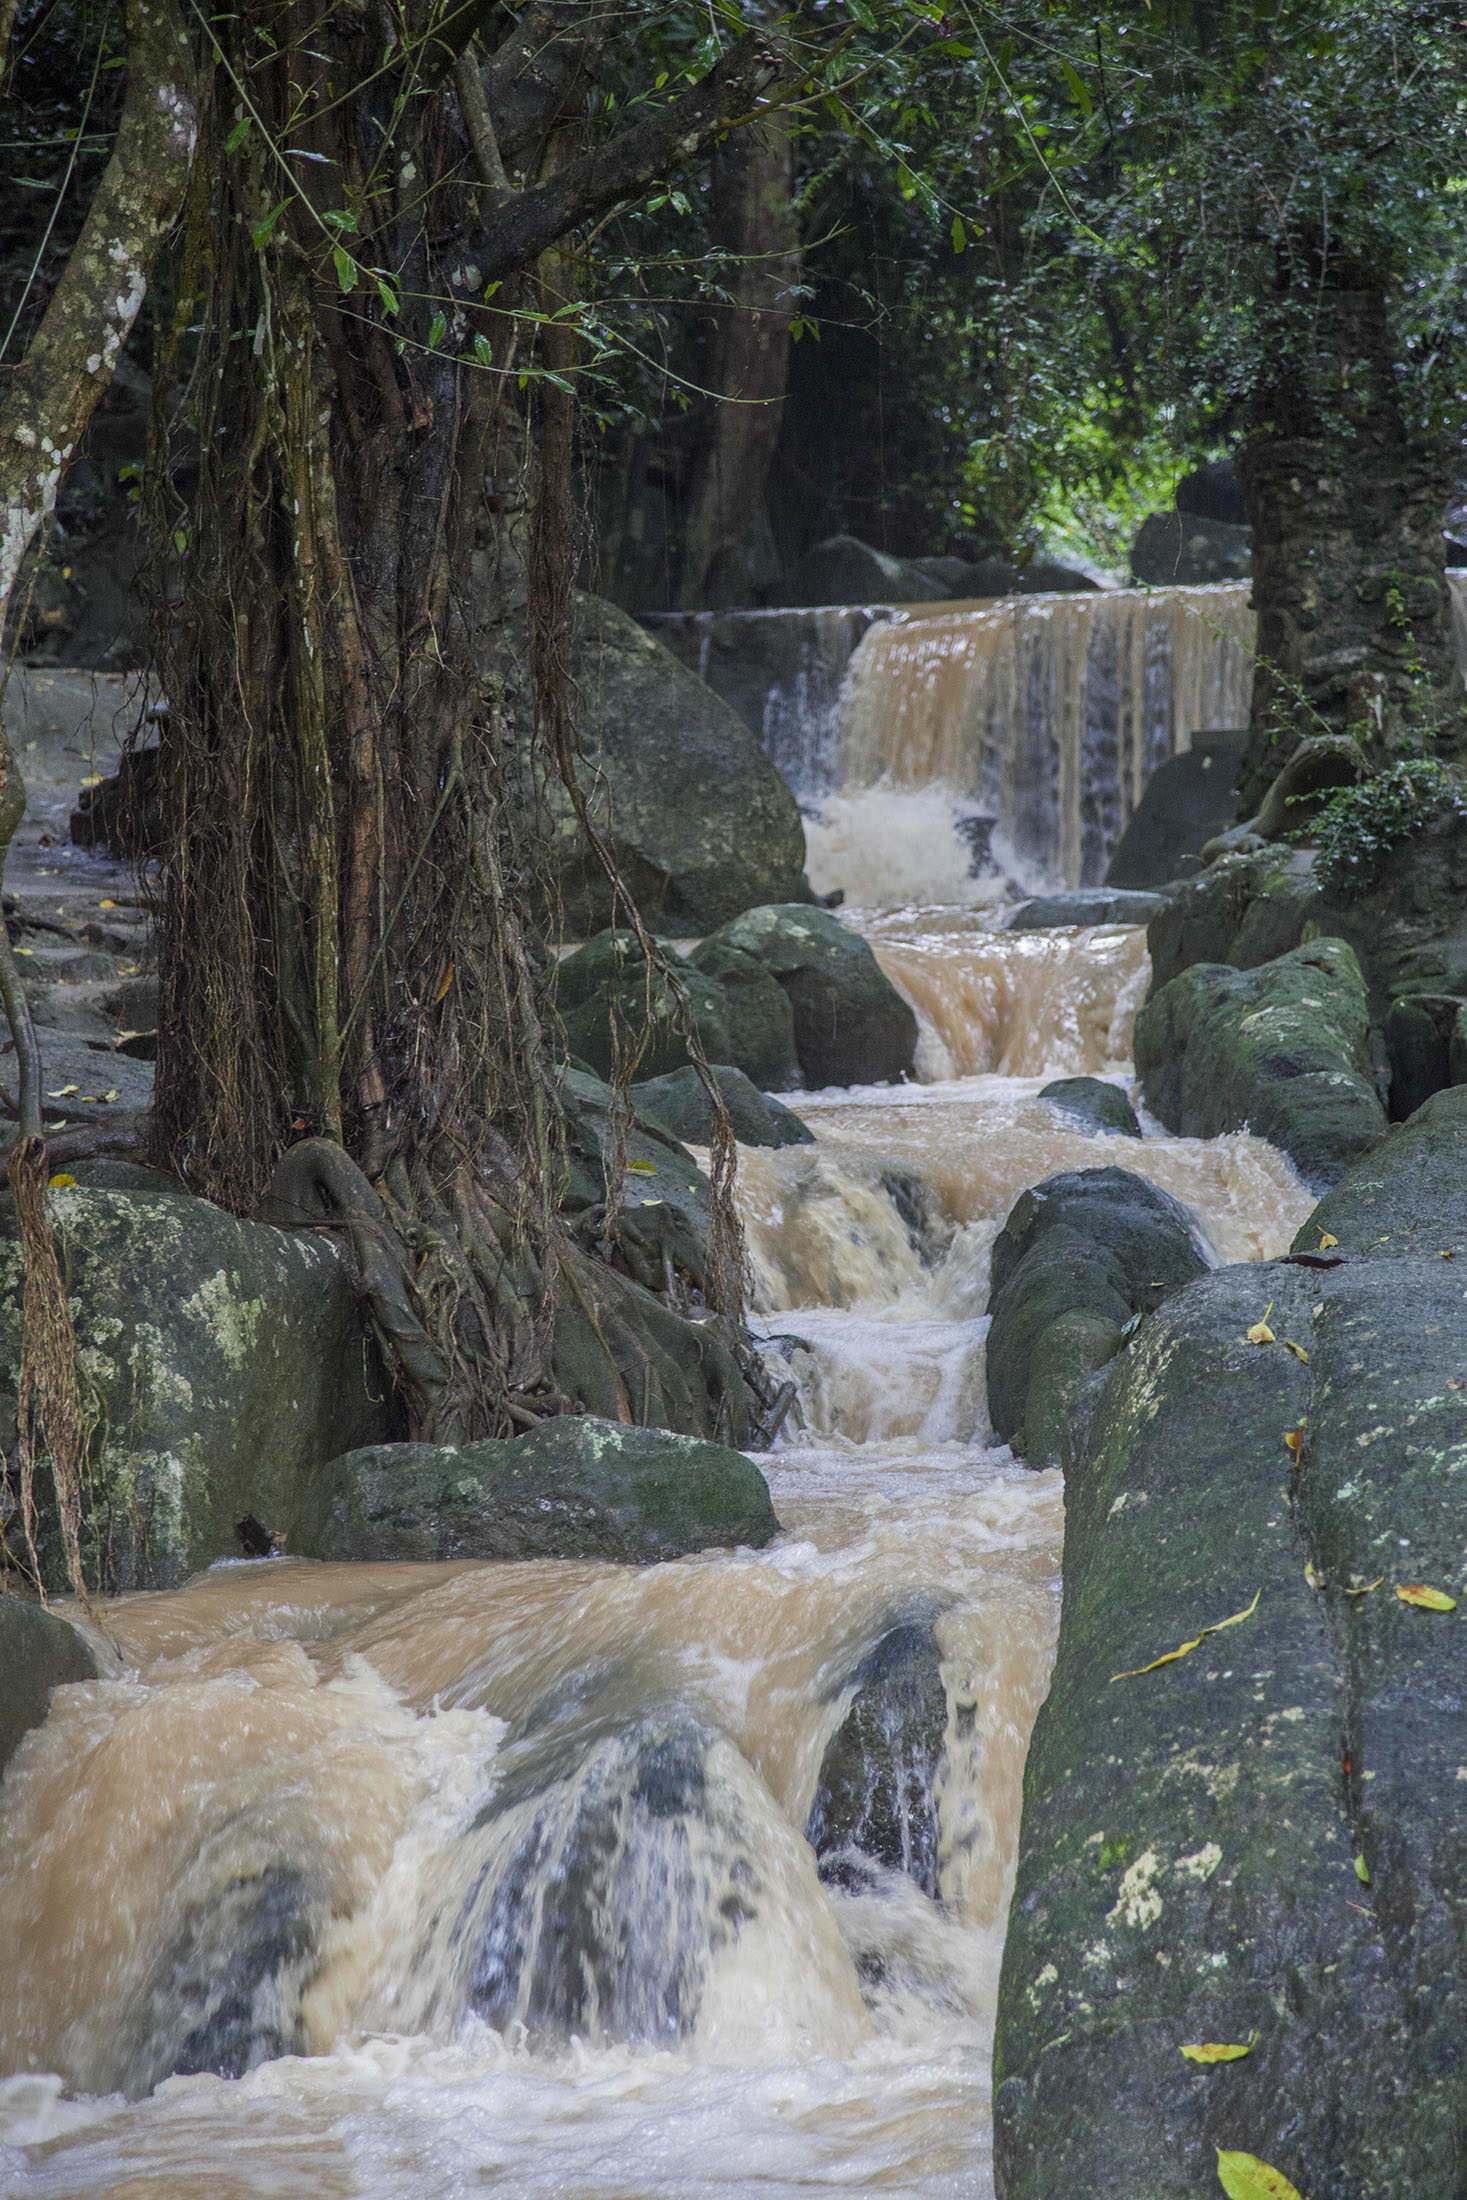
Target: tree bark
(1346,499)
(748,359)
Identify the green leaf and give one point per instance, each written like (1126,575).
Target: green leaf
(1425,1599)
(346,269)
(960,234)
(862,13)
(1076,86)
(237,135)
(642,1168)
(1244,2177)
(1362,1871)
(437,331)
(264,230)
(387,294)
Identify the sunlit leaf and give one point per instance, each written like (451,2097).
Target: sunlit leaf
(1217,2051)
(1327,1238)
(1185,1649)
(642,1168)
(1244,2177)
(1415,1592)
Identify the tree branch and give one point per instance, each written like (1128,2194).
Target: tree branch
(530,222)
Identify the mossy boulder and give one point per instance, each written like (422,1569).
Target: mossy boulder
(607,993)
(1093,1102)
(1077,1258)
(571,1488)
(1260,1841)
(679,1104)
(757,1014)
(1407,1196)
(661,1219)
(1242,910)
(698,820)
(851,1026)
(1283,1050)
(39,1651)
(221,1362)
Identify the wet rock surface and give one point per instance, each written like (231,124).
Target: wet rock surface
(39,1651)
(1084,905)
(1186,800)
(1283,1050)
(876,1799)
(571,1488)
(1079,1257)
(1262,1840)
(851,1026)
(1094,1102)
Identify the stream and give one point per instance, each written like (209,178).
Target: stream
(495,1877)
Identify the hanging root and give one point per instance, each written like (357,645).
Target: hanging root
(48,1402)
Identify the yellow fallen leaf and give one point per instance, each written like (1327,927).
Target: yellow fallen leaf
(61,1182)
(444,985)
(1327,1238)
(123,1037)
(1294,1441)
(1297,1350)
(63,1092)
(642,1168)
(1363,1588)
(106,905)
(1244,2177)
(1184,1649)
(1362,1871)
(25,951)
(1427,1600)
(93,779)
(1260,1333)
(1214,2051)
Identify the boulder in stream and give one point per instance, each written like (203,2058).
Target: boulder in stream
(1079,1256)
(1095,1102)
(851,1026)
(1187,801)
(876,1798)
(1407,1196)
(606,995)
(1242,1818)
(1283,1050)
(679,1104)
(221,1361)
(39,1651)
(1084,905)
(756,1013)
(697,818)
(574,1487)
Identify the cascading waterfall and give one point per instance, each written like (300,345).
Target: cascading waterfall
(613,1880)
(943,750)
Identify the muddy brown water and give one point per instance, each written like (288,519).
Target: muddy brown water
(494,1877)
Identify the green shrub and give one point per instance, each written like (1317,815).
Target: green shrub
(1358,827)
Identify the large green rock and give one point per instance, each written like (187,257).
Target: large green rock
(1243,910)
(571,1488)
(1408,1195)
(608,995)
(1263,1839)
(680,1105)
(221,1362)
(697,819)
(39,1651)
(1078,1256)
(1283,1050)
(757,1013)
(661,1219)
(851,1025)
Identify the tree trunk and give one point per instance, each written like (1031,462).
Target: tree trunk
(748,360)
(1346,501)
(349,946)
